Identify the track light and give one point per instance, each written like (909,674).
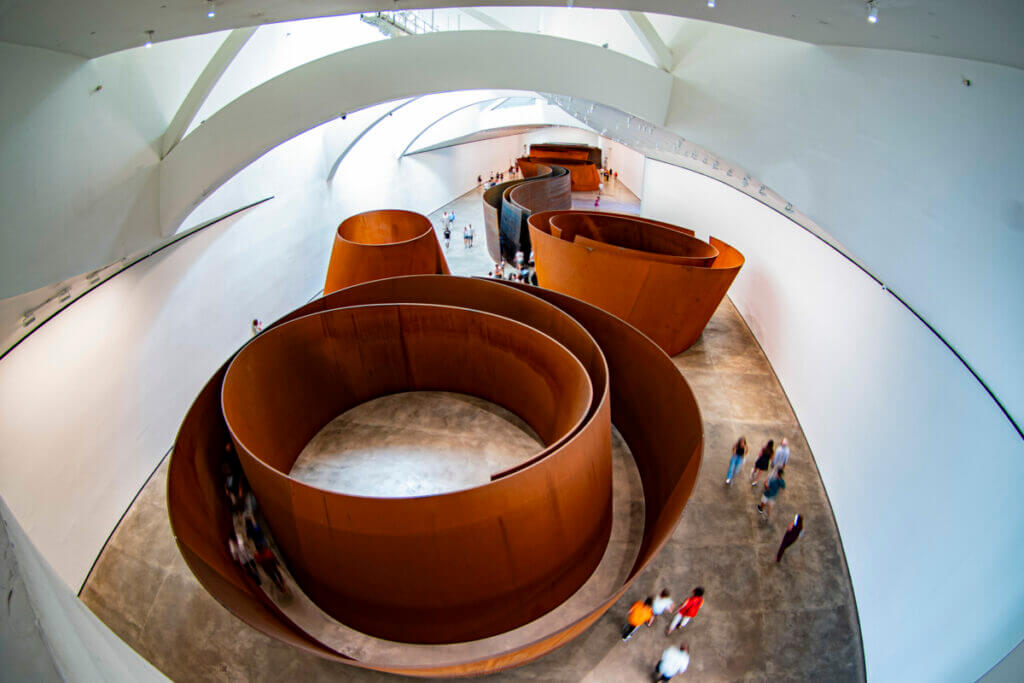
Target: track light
(211,10)
(149,39)
(711,4)
(872,12)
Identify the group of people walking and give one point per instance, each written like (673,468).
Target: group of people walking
(674,660)
(448,221)
(771,463)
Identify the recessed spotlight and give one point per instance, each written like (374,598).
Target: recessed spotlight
(211,10)
(711,4)
(872,13)
(149,39)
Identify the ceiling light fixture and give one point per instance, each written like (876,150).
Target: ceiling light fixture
(211,10)
(149,39)
(711,4)
(872,12)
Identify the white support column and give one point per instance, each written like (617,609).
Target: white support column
(652,42)
(219,63)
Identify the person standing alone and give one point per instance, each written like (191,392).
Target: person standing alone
(674,661)
(792,535)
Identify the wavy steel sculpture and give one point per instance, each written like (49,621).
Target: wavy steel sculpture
(654,275)
(582,162)
(384,243)
(508,205)
(580,364)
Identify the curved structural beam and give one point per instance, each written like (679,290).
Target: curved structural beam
(654,275)
(649,401)
(384,243)
(314,93)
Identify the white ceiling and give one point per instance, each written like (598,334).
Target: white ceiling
(984,30)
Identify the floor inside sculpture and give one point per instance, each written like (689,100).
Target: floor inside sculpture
(762,621)
(468,208)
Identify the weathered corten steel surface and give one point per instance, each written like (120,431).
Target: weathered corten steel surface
(649,401)
(581,161)
(654,275)
(509,204)
(384,243)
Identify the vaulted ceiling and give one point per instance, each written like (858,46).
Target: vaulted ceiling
(986,31)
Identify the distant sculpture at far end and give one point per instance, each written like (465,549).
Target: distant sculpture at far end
(380,244)
(656,276)
(582,162)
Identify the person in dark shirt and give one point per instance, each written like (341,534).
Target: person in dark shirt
(772,488)
(793,533)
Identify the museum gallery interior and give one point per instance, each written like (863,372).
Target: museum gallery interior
(607,341)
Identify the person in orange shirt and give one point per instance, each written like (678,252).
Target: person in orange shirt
(688,610)
(639,614)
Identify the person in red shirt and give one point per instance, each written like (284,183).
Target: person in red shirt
(688,610)
(639,614)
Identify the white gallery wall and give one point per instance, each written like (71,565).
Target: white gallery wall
(627,162)
(918,462)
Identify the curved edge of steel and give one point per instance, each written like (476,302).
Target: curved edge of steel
(650,273)
(650,403)
(383,243)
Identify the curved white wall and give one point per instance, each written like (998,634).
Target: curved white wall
(921,467)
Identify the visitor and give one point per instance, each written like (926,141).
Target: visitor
(472,233)
(597,200)
(499,270)
(738,451)
(465,238)
(242,555)
(662,604)
(674,661)
(447,236)
(793,533)
(781,455)
(524,274)
(688,610)
(451,217)
(519,259)
(639,614)
(762,463)
(772,488)
(257,326)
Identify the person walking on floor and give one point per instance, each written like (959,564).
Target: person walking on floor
(687,611)
(447,236)
(472,233)
(772,488)
(792,535)
(674,661)
(639,614)
(781,455)
(662,604)
(762,463)
(736,461)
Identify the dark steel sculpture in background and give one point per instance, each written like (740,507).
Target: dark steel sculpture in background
(575,364)
(507,206)
(582,162)
(654,275)
(385,243)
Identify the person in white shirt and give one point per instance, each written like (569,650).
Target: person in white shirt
(662,604)
(781,456)
(674,660)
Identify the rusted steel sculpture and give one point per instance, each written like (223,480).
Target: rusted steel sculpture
(582,162)
(385,243)
(654,275)
(508,205)
(581,364)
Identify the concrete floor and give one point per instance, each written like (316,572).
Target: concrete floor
(761,622)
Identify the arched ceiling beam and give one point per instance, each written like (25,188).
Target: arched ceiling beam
(201,89)
(314,93)
(649,38)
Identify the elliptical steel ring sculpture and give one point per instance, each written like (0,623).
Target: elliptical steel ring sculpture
(656,276)
(582,162)
(616,370)
(383,243)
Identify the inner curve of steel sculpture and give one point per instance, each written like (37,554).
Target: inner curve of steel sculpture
(452,567)
(656,276)
(582,162)
(507,206)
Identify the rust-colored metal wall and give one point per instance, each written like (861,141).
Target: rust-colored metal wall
(649,402)
(507,205)
(654,275)
(384,243)
(581,161)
